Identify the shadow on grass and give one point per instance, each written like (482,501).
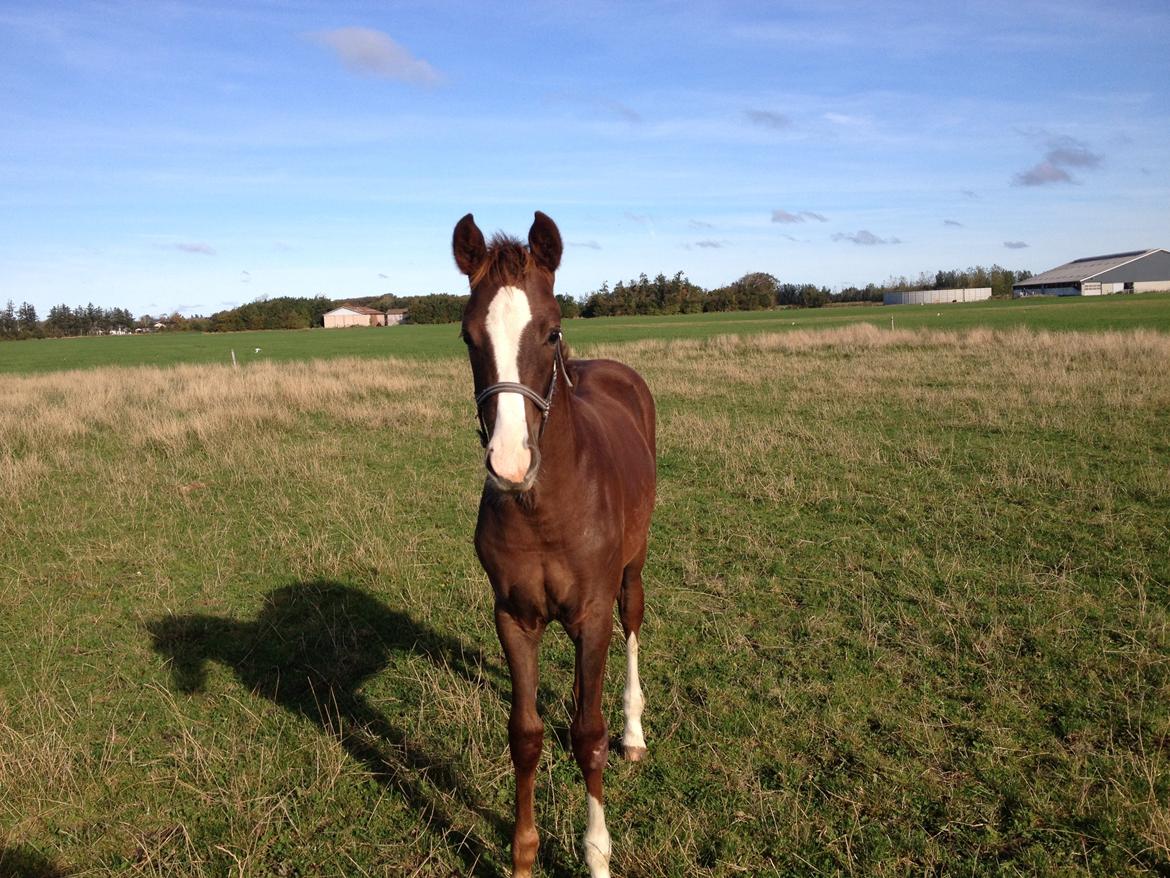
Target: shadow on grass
(24,862)
(309,650)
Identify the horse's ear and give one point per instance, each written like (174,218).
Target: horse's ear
(468,246)
(544,242)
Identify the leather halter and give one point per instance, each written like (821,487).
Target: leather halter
(543,403)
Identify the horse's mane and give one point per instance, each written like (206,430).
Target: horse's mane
(506,262)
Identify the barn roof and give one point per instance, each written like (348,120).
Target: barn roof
(1085,269)
(357,309)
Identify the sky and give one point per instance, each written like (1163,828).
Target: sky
(192,156)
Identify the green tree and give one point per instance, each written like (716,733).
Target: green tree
(9,327)
(569,306)
(27,318)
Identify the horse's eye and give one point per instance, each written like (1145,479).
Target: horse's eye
(554,336)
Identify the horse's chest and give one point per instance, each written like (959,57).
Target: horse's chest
(538,575)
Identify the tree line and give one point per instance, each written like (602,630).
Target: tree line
(758,291)
(755,291)
(62,320)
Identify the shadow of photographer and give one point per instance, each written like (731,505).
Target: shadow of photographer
(309,649)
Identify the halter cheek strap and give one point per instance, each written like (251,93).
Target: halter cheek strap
(542,403)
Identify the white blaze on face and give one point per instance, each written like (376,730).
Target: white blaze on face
(507,316)
(596,841)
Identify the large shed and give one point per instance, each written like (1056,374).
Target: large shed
(936,297)
(354,315)
(1136,271)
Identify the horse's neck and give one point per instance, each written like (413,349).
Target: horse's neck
(560,447)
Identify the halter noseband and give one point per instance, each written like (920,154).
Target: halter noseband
(543,403)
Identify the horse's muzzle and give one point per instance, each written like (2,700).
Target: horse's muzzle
(506,485)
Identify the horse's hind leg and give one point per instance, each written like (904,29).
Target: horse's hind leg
(589,736)
(630,605)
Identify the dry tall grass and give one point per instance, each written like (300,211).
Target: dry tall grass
(847,520)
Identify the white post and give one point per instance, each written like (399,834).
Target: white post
(235,365)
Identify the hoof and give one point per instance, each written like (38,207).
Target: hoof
(633,754)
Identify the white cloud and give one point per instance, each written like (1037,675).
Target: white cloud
(373,53)
(196,247)
(865,238)
(1063,152)
(768,119)
(1042,174)
(784,216)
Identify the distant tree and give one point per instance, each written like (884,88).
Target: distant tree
(570,307)
(663,295)
(27,318)
(9,327)
(61,321)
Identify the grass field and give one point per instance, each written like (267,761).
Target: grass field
(1146,311)
(907,609)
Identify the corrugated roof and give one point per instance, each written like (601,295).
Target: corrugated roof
(358,309)
(1084,269)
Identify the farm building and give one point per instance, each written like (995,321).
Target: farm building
(359,315)
(934,297)
(395,316)
(1138,271)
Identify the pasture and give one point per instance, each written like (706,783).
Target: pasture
(907,606)
(1149,310)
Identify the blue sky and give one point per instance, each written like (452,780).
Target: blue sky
(193,156)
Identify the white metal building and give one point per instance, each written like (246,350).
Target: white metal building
(1137,271)
(936,297)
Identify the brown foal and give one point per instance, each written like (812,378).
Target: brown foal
(565,511)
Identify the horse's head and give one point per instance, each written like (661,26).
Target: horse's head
(512,328)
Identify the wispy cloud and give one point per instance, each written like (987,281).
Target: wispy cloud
(768,119)
(709,244)
(245,277)
(954,223)
(590,245)
(370,52)
(608,106)
(699,224)
(1072,153)
(195,247)
(1015,245)
(969,193)
(643,220)
(865,238)
(1042,174)
(621,110)
(784,216)
(383,276)
(1063,152)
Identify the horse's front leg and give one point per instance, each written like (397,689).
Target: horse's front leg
(525,733)
(590,738)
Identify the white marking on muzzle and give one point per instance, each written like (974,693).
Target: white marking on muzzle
(508,452)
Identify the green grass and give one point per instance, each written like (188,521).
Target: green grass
(908,612)
(1149,310)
